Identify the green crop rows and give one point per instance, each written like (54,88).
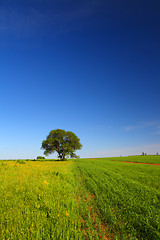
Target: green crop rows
(127,196)
(80,199)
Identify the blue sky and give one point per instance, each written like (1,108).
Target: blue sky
(91,67)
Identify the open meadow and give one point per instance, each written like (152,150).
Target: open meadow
(80,199)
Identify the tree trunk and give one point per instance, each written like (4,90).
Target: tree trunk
(61,156)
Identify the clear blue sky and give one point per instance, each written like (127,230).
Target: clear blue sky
(87,66)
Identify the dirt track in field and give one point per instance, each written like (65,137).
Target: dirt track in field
(155,164)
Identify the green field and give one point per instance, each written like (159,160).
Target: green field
(80,199)
(139,159)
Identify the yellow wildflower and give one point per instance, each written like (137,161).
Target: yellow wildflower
(45,182)
(67,214)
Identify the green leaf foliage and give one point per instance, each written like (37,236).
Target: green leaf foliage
(65,143)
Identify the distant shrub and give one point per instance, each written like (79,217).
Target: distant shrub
(157,154)
(142,153)
(21,161)
(40,157)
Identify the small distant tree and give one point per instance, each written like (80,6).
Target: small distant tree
(142,153)
(65,143)
(40,157)
(157,154)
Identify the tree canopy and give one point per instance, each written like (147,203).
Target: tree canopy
(65,143)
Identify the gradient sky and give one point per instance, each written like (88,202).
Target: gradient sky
(87,66)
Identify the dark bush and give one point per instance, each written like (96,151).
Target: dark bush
(40,157)
(21,161)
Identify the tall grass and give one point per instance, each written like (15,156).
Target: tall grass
(44,200)
(38,201)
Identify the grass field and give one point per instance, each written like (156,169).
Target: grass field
(80,199)
(139,159)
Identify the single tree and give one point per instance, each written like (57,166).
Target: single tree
(65,143)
